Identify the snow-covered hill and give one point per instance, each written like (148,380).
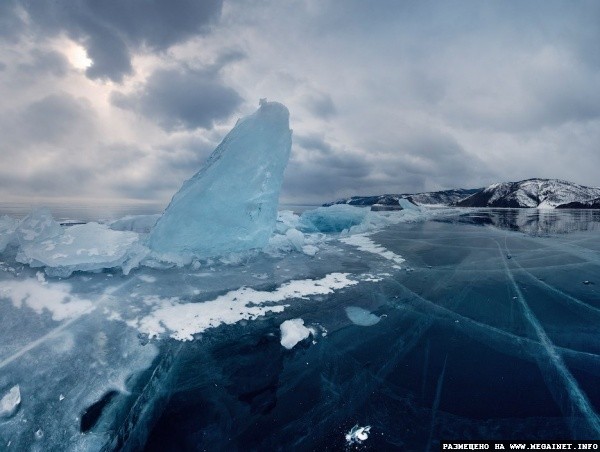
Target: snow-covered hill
(537,193)
(591,204)
(444,198)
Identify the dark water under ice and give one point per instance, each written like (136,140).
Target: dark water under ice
(490,331)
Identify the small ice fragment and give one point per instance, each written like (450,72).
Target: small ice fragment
(39,434)
(40,277)
(61,398)
(586,282)
(10,402)
(292,332)
(358,434)
(361,317)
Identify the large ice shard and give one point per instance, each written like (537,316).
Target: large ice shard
(231,203)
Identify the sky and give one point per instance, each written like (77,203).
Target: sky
(125,100)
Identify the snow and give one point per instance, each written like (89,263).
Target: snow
(361,317)
(41,296)
(10,402)
(367,245)
(293,331)
(538,193)
(230,204)
(183,320)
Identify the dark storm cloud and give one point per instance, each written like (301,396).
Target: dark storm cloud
(111,30)
(11,24)
(181,99)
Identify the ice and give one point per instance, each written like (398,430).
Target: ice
(8,226)
(83,247)
(293,331)
(360,316)
(10,402)
(37,226)
(231,203)
(358,434)
(336,218)
(135,223)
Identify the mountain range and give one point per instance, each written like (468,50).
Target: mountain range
(529,193)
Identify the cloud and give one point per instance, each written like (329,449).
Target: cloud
(45,62)
(320,105)
(111,31)
(384,97)
(181,99)
(54,119)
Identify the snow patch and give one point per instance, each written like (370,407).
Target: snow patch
(182,321)
(365,244)
(39,296)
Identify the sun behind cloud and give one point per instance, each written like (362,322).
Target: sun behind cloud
(78,56)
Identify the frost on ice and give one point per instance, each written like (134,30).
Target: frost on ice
(231,203)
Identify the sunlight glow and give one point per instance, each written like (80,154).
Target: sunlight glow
(78,57)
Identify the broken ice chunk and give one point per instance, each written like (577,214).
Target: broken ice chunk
(9,403)
(37,227)
(336,218)
(83,247)
(292,332)
(358,434)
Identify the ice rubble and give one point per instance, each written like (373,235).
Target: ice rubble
(231,203)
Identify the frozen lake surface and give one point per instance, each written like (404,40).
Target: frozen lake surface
(471,324)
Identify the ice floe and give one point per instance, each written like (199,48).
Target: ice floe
(361,317)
